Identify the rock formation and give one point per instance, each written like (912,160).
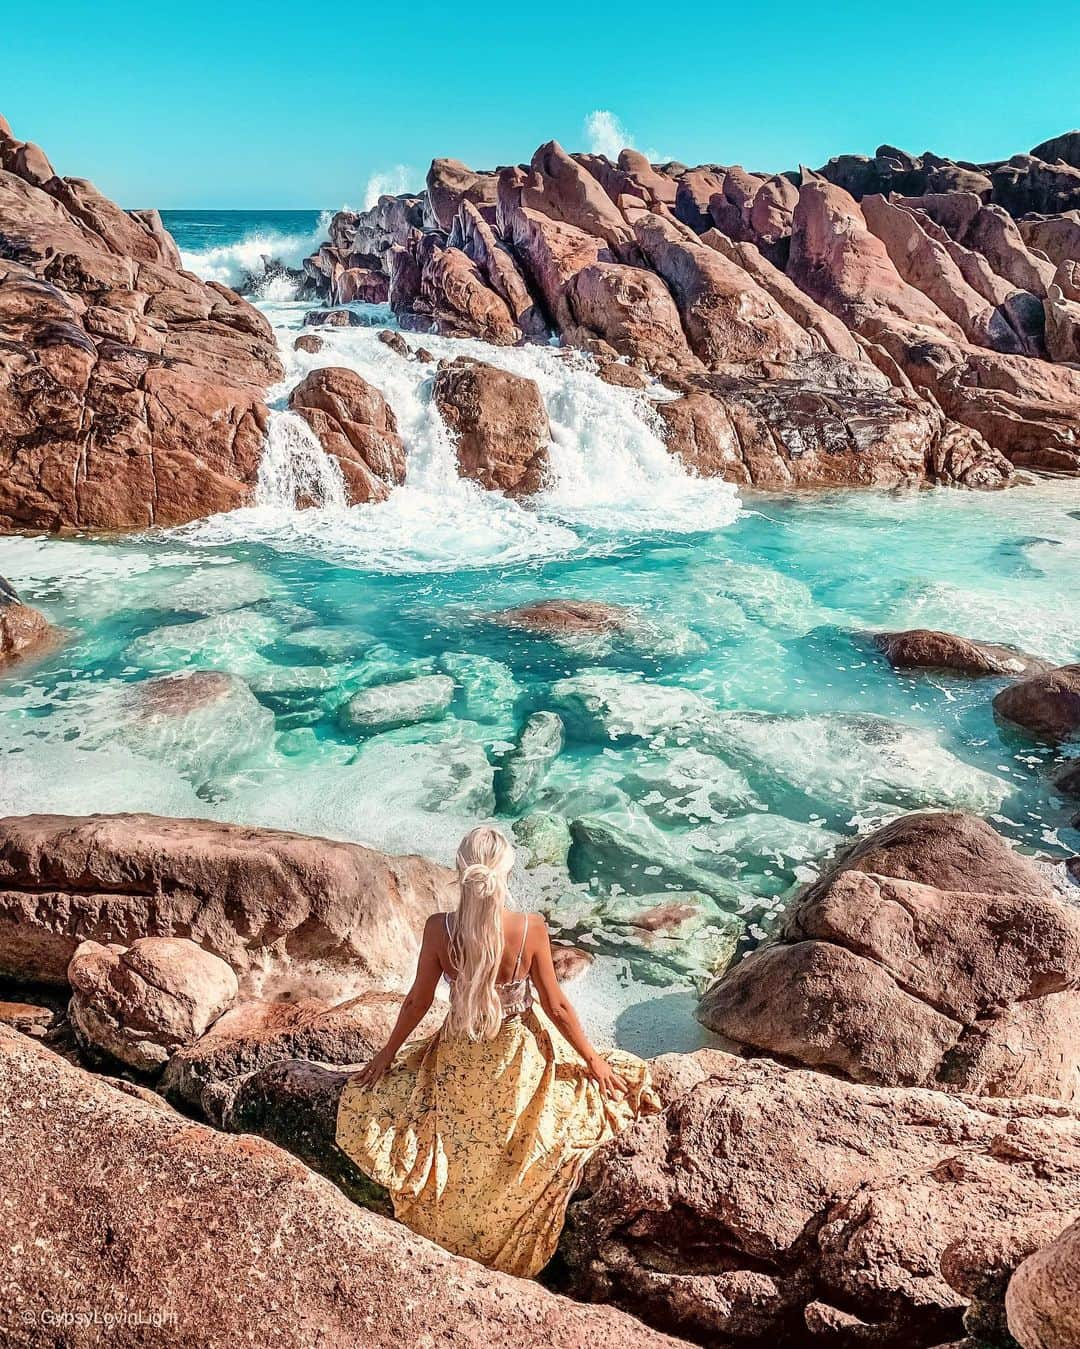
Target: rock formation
(131,393)
(929,955)
(1043,1297)
(284,910)
(354,423)
(227,1234)
(771,1206)
(138,1004)
(24,632)
(499,425)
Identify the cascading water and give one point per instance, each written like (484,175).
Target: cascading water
(611,476)
(295,471)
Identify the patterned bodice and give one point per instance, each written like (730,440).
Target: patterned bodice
(516,993)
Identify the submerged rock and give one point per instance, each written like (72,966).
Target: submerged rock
(385,706)
(897,981)
(274,905)
(924,649)
(544,837)
(538,746)
(141,1003)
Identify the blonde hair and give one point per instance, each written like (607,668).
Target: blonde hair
(484,861)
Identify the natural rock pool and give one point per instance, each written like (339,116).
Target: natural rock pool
(707,752)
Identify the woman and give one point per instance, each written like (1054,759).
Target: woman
(480,1132)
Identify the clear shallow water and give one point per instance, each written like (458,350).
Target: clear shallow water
(744,727)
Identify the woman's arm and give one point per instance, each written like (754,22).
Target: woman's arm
(414,1007)
(561,1011)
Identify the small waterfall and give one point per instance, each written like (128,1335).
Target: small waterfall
(295,470)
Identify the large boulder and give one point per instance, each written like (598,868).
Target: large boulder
(139,1004)
(285,911)
(473,233)
(632,310)
(449,184)
(355,424)
(259,1033)
(726,315)
(769,1206)
(1046,706)
(926,649)
(787,431)
(929,955)
(24,631)
(1043,1297)
(499,425)
(131,393)
(112,1202)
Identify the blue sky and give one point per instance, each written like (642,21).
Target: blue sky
(273,105)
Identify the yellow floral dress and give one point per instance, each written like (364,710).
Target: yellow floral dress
(481,1144)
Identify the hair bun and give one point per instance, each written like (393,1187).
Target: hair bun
(480,875)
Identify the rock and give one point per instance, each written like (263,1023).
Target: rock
(775,1206)
(132,394)
(623,376)
(632,310)
(394,341)
(1046,706)
(925,649)
(894,981)
(308,342)
(1067,778)
(400,703)
(453,297)
(359,285)
(827,331)
(332,318)
(287,912)
(24,632)
(35,1019)
(557,186)
(449,183)
(538,746)
(544,837)
(499,423)
(789,432)
(474,235)
(1043,1297)
(257,1034)
(566,618)
(847,269)
(1065,148)
(269,1242)
(1058,236)
(1062,326)
(137,1005)
(355,424)
(570,962)
(726,315)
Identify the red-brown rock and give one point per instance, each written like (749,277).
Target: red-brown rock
(24,632)
(1047,706)
(925,649)
(769,1206)
(1043,1297)
(287,912)
(449,184)
(499,424)
(131,394)
(355,424)
(632,310)
(239,1236)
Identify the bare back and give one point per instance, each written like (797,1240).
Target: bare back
(518,937)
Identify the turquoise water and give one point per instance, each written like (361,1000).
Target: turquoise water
(730,740)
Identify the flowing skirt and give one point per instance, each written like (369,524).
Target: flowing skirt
(482,1144)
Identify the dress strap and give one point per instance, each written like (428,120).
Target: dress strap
(446,919)
(521,951)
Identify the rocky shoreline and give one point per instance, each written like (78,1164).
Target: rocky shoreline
(881,322)
(770,1204)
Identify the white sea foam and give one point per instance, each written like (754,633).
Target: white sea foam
(611,474)
(232,264)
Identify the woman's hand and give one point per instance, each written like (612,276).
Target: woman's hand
(605,1077)
(375,1069)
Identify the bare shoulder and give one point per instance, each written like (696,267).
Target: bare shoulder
(536,928)
(435,928)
